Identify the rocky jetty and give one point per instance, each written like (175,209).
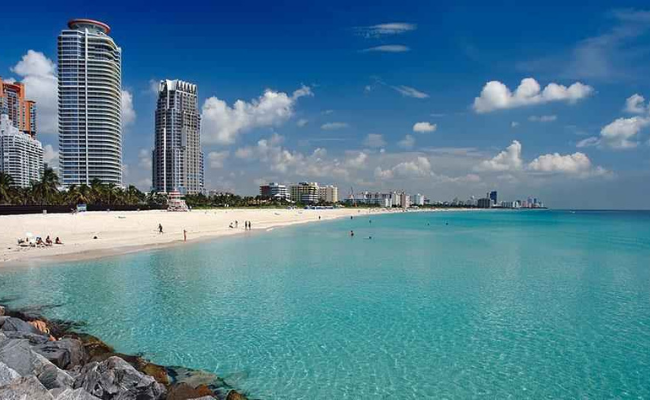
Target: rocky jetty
(42,359)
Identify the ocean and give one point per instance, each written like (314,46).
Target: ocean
(498,304)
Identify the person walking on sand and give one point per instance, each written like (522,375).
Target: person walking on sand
(160,228)
(236,223)
(184,235)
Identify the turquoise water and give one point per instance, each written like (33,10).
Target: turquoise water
(543,304)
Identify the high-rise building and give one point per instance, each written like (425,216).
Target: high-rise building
(21,155)
(405,200)
(21,112)
(418,199)
(274,191)
(328,194)
(177,156)
(304,192)
(484,203)
(90,90)
(493,196)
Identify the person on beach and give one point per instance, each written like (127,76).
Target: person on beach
(48,241)
(351,233)
(160,228)
(230,226)
(57,241)
(184,235)
(250,226)
(236,223)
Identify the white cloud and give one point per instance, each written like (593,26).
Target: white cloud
(507,160)
(621,133)
(332,126)
(217,158)
(128,113)
(223,124)
(571,163)
(302,122)
(51,156)
(408,91)
(245,153)
(39,76)
(358,161)
(635,104)
(510,161)
(144,159)
(387,29)
(418,168)
(424,127)
(374,140)
(542,118)
(387,48)
(407,143)
(153,86)
(514,124)
(588,142)
(496,96)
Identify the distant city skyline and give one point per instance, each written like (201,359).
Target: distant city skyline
(439,99)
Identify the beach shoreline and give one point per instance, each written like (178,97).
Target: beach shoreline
(123,232)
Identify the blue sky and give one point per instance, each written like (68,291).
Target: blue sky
(333,91)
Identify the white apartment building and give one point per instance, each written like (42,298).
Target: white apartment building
(21,156)
(90,104)
(304,192)
(328,194)
(418,199)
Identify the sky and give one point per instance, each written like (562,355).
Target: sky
(451,99)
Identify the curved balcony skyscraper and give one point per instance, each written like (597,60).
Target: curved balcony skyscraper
(90,88)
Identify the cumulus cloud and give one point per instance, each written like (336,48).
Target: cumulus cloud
(38,73)
(510,161)
(387,29)
(635,104)
(424,127)
(217,158)
(374,140)
(128,113)
(332,126)
(542,118)
(408,91)
(407,143)
(223,124)
(51,156)
(588,142)
(358,161)
(420,167)
(507,160)
(621,133)
(387,48)
(496,96)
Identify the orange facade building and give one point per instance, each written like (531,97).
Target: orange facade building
(21,112)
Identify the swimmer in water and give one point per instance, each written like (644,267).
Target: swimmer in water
(351,233)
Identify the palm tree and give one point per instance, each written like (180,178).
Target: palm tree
(47,189)
(6,189)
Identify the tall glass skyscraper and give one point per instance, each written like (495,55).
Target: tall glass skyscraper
(177,156)
(90,89)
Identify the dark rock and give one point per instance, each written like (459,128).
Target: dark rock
(18,325)
(18,355)
(158,372)
(25,388)
(51,377)
(183,391)
(7,374)
(117,379)
(94,346)
(33,338)
(203,398)
(76,394)
(235,395)
(65,353)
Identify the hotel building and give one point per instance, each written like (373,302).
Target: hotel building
(90,87)
(177,156)
(328,194)
(274,191)
(21,156)
(21,112)
(304,192)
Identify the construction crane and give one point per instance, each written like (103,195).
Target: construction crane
(352,199)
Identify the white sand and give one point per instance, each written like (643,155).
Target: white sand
(122,232)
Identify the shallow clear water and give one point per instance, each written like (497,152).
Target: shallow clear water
(543,304)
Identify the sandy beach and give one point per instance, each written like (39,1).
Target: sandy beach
(123,232)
